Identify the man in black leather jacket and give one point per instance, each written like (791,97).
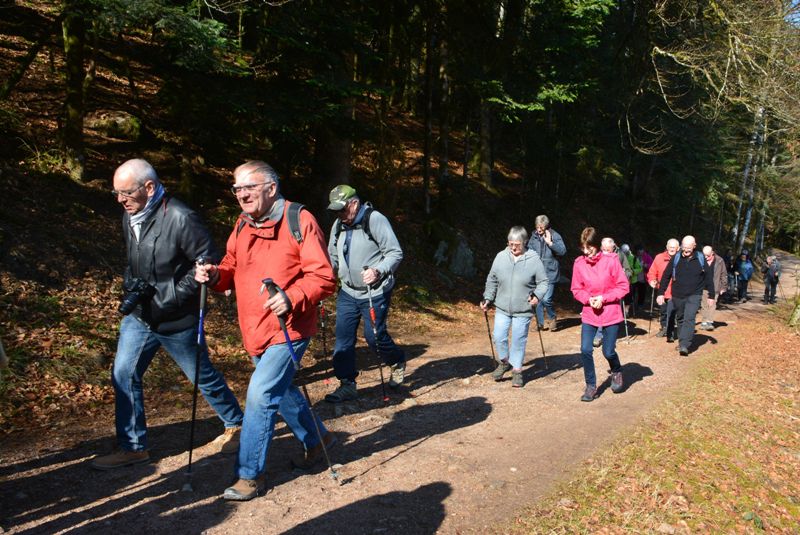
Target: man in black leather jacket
(164,237)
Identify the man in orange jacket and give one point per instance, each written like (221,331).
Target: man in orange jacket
(263,246)
(660,263)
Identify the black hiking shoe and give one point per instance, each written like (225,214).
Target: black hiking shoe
(501,370)
(683,351)
(589,394)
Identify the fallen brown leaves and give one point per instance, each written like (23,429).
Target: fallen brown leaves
(721,456)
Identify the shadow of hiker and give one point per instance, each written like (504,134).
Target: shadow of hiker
(61,492)
(632,373)
(410,427)
(428,377)
(564,323)
(419,511)
(544,366)
(700,340)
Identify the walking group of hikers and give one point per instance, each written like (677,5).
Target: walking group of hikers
(278,247)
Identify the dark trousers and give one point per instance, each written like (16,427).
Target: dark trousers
(349,313)
(769,290)
(743,289)
(685,314)
(668,318)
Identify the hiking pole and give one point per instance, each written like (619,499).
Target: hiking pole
(322,315)
(372,317)
(541,342)
(273,289)
(625,318)
(489,332)
(200,341)
(652,298)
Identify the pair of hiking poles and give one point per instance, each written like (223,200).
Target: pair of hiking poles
(273,289)
(538,330)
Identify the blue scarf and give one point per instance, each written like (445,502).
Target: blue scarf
(152,203)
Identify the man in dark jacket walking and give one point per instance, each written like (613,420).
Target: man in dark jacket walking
(163,238)
(689,275)
(547,243)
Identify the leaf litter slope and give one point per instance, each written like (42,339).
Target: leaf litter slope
(452,451)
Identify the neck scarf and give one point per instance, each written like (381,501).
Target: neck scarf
(152,202)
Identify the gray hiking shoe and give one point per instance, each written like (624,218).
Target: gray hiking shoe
(397,373)
(590,393)
(346,392)
(516,379)
(501,370)
(616,382)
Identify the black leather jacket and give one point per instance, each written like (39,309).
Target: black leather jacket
(170,241)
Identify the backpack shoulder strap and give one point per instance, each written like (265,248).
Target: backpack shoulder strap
(293,217)
(365,223)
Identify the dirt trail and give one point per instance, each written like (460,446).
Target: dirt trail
(453,452)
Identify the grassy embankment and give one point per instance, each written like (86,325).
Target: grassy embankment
(722,455)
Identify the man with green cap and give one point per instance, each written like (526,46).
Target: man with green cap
(365,254)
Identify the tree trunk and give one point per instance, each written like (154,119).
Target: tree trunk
(751,152)
(444,130)
(749,211)
(428,114)
(74,31)
(486,143)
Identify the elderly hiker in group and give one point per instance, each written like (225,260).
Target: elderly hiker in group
(689,275)
(599,284)
(365,254)
(772,272)
(163,238)
(744,272)
(657,268)
(263,245)
(720,285)
(547,243)
(609,246)
(516,282)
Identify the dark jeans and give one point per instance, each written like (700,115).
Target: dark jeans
(609,350)
(668,318)
(769,290)
(742,289)
(349,312)
(685,314)
(640,290)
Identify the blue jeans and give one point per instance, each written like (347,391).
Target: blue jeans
(271,391)
(135,351)
(546,303)
(349,312)
(519,337)
(609,350)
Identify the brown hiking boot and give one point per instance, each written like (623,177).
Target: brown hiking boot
(551,324)
(589,393)
(244,489)
(228,442)
(315,454)
(120,459)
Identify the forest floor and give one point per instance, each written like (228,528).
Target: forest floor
(452,452)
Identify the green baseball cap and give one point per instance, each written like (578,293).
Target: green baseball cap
(339,196)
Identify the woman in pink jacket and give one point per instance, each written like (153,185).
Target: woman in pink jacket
(599,284)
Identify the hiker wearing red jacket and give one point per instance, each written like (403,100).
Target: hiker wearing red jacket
(667,315)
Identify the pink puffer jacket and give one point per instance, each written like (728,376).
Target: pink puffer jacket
(599,275)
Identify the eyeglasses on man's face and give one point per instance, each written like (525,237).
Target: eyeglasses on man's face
(126,192)
(515,244)
(248,188)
